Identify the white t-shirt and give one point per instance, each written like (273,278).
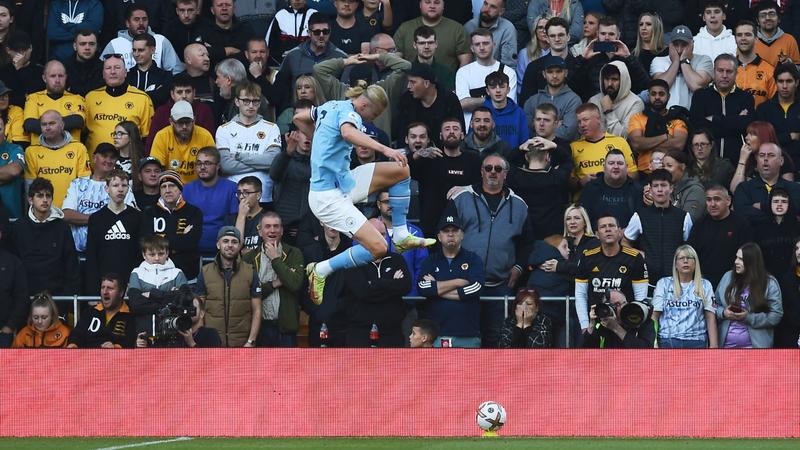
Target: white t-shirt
(249,150)
(473,76)
(679,93)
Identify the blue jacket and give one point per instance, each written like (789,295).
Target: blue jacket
(414,258)
(459,318)
(502,241)
(65,18)
(510,123)
(548,284)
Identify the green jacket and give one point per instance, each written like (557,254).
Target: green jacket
(289,268)
(327,73)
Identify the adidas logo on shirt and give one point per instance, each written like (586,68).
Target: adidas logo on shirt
(117,231)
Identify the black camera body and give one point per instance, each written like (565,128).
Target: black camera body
(173,317)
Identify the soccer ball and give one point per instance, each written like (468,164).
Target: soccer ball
(491,416)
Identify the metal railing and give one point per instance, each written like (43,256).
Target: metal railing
(78,299)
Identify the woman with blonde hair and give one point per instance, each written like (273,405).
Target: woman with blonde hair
(570,10)
(649,39)
(537,47)
(683,305)
(305,88)
(44,328)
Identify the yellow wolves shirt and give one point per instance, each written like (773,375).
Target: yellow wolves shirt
(104,111)
(68,104)
(14,131)
(60,166)
(177,156)
(589,156)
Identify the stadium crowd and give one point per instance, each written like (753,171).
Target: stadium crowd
(614,151)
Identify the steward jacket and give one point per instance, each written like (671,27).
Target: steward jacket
(228,306)
(502,238)
(182,227)
(55,336)
(95,327)
(785,123)
(289,268)
(458,318)
(14,299)
(727,123)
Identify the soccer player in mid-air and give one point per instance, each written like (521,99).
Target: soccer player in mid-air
(336,126)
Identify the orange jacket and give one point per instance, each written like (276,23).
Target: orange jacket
(54,337)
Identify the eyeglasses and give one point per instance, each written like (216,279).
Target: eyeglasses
(323,32)
(765,14)
(118,134)
(685,258)
(241,194)
(206,163)
(497,168)
(249,101)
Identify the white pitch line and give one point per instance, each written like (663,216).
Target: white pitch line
(143,444)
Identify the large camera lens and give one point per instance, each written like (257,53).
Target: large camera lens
(604,310)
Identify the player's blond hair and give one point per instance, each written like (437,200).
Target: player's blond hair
(373,93)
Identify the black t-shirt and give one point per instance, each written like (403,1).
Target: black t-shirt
(446,105)
(145,201)
(349,39)
(493,200)
(604,273)
(251,237)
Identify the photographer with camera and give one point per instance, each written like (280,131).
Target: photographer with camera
(615,323)
(196,335)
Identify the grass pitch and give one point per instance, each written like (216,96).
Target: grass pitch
(397,443)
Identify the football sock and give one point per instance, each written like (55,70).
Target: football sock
(352,257)
(399,198)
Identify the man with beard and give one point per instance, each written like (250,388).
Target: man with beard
(55,96)
(214,195)
(559,95)
(724,108)
(775,46)
(656,128)
(110,324)
(256,61)
(616,101)
(177,145)
(503,31)
(482,137)
(137,22)
(438,171)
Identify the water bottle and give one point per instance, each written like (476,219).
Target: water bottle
(374,335)
(323,335)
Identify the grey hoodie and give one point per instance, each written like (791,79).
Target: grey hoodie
(623,107)
(566,101)
(165,56)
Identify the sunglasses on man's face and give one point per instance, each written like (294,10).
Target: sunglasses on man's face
(497,168)
(323,32)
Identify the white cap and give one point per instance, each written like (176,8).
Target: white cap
(181,110)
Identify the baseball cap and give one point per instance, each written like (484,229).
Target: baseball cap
(4,89)
(449,220)
(150,160)
(172,176)
(423,71)
(553,61)
(228,230)
(681,33)
(105,147)
(181,110)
